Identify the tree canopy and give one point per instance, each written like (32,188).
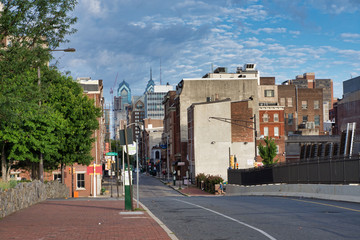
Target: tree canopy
(268,152)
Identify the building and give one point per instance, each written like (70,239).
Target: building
(271,116)
(348,108)
(215,86)
(303,109)
(85,183)
(216,130)
(154,97)
(170,129)
(121,107)
(308,80)
(150,140)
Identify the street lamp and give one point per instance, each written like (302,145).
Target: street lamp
(137,164)
(41,160)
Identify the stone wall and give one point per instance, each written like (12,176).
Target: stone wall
(29,193)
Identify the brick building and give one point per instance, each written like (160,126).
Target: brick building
(308,80)
(271,115)
(303,109)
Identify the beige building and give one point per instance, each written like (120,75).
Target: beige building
(217,130)
(219,85)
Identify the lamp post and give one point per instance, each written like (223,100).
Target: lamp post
(137,165)
(41,160)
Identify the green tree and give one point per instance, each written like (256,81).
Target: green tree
(28,30)
(80,118)
(30,129)
(268,152)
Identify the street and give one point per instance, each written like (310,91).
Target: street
(242,217)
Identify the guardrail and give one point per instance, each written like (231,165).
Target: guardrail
(339,170)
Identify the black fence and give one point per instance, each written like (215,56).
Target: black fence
(342,170)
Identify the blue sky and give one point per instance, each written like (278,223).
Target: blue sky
(284,38)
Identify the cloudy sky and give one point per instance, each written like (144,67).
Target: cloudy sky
(285,38)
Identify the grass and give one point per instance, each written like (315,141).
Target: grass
(8,185)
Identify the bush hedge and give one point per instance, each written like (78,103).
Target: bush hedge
(207,182)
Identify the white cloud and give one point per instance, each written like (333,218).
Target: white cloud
(269,30)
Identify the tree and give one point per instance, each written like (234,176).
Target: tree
(28,29)
(268,152)
(80,118)
(30,129)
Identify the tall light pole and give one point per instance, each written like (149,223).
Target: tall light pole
(41,160)
(137,165)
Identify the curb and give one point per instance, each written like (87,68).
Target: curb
(162,225)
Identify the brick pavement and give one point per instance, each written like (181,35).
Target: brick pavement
(80,219)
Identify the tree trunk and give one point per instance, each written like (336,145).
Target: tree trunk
(3,165)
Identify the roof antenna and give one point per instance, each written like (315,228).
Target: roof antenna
(160,71)
(150,73)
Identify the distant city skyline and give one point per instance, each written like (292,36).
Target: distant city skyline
(284,38)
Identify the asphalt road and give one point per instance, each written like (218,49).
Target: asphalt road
(242,217)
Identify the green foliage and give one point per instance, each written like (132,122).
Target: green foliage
(209,181)
(268,152)
(8,185)
(32,28)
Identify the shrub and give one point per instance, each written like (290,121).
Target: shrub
(209,181)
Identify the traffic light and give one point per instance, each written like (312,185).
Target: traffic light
(232,161)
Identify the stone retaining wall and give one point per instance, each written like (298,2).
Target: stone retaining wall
(29,193)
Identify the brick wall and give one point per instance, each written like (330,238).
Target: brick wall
(239,131)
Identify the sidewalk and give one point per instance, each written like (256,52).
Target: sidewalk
(82,218)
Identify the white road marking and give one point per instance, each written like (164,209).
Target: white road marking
(230,218)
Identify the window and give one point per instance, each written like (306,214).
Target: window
(290,102)
(317,120)
(269,93)
(282,101)
(265,117)
(305,118)
(290,119)
(276,131)
(80,180)
(277,149)
(316,104)
(304,104)
(276,117)
(57,176)
(266,131)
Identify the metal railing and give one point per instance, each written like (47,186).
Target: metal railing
(337,170)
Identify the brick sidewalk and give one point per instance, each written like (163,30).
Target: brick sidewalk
(80,219)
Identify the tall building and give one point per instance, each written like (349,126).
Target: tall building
(121,107)
(154,108)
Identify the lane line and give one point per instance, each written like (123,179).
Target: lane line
(230,218)
(325,204)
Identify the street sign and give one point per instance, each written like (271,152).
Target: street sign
(111,154)
(132,149)
(181,164)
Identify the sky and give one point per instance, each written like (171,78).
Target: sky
(122,39)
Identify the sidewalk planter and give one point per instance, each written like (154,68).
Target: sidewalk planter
(207,182)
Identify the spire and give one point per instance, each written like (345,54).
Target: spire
(150,73)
